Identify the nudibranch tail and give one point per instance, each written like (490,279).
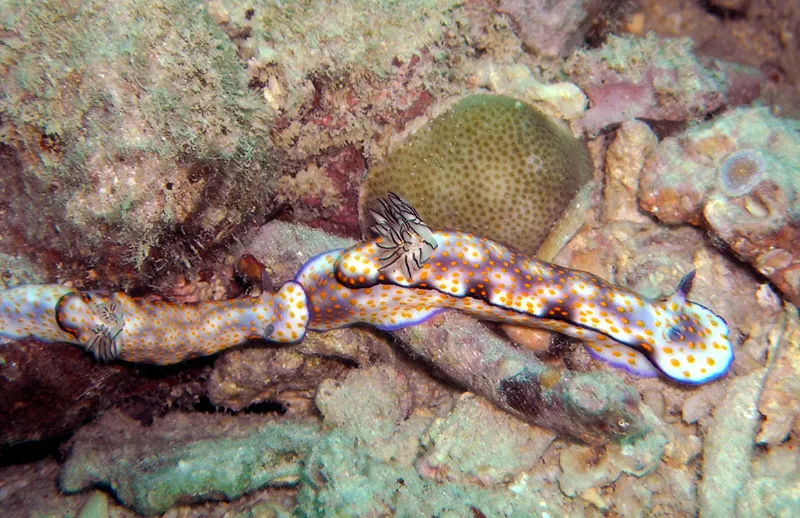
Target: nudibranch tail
(28,311)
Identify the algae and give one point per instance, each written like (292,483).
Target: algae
(128,122)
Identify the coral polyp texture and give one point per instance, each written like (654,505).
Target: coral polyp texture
(738,176)
(491,165)
(401,278)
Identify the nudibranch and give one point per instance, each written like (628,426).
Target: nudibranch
(405,275)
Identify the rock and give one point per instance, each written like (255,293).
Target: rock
(124,147)
(370,403)
(780,400)
(185,458)
(729,445)
(279,375)
(96,506)
(737,176)
(701,402)
(631,497)
(770,497)
(624,161)
(774,489)
(583,468)
(655,400)
(477,441)
(656,79)
(674,491)
(554,28)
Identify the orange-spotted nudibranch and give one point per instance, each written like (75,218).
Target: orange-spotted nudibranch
(401,278)
(682,339)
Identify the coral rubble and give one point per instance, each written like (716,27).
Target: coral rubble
(736,175)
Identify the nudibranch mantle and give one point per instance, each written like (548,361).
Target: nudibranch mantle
(682,339)
(402,277)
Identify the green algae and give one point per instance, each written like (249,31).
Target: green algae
(196,458)
(127,120)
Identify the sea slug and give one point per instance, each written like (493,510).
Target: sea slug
(401,278)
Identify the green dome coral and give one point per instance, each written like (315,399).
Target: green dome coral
(491,165)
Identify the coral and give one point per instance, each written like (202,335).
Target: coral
(736,175)
(656,79)
(125,124)
(741,172)
(490,165)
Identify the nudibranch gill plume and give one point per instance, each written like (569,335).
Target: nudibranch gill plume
(405,275)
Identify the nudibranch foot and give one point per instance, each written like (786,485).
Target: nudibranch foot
(334,305)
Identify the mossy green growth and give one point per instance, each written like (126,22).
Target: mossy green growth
(128,120)
(151,471)
(303,36)
(491,165)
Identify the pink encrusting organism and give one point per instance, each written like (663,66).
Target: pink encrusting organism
(401,278)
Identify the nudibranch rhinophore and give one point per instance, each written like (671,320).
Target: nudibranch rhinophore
(405,275)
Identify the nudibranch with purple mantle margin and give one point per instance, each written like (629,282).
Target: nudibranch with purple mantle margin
(683,340)
(403,277)
(117,326)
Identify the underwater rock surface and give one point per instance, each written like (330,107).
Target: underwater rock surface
(186,458)
(331,84)
(122,125)
(656,79)
(736,175)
